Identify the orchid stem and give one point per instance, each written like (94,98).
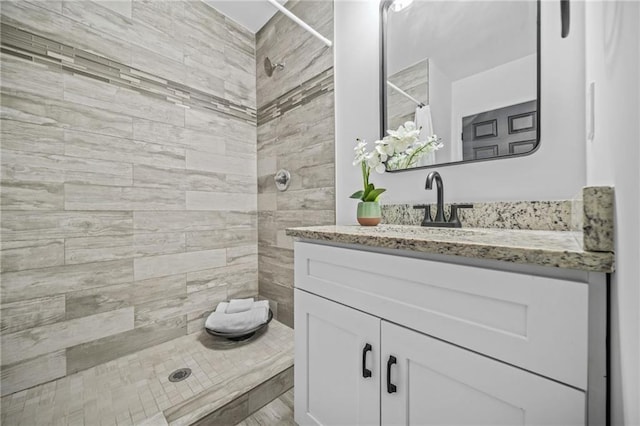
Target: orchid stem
(365,175)
(410,159)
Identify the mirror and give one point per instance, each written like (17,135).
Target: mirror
(465,71)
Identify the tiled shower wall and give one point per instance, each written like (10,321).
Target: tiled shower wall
(128,178)
(295,132)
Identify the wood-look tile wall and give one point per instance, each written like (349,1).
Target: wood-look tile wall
(295,132)
(129,189)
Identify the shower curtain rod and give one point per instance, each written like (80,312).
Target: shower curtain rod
(403,93)
(300,22)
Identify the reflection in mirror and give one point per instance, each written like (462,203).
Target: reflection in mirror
(466,71)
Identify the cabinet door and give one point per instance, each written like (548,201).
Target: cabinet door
(334,345)
(441,384)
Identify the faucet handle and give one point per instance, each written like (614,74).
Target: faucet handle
(453,217)
(427,213)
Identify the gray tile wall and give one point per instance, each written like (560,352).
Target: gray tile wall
(295,132)
(129,189)
(414,80)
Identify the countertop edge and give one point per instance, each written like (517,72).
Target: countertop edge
(566,259)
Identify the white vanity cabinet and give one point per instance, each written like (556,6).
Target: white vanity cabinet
(339,355)
(446,343)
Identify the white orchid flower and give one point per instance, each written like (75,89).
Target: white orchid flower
(404,147)
(435,142)
(360,151)
(373,159)
(367,161)
(383,151)
(396,134)
(385,146)
(376,162)
(401,145)
(406,131)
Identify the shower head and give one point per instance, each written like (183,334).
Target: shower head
(269,67)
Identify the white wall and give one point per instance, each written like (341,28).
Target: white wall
(357,94)
(440,102)
(508,84)
(418,32)
(555,171)
(613,158)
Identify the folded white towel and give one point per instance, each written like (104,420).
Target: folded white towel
(238,322)
(261,303)
(222,307)
(239,305)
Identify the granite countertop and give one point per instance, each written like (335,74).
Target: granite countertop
(561,249)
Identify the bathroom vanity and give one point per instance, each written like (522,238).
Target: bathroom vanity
(408,325)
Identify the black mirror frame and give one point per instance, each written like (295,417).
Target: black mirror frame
(384,11)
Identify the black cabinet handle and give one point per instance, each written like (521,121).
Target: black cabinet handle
(391,388)
(565,17)
(365,371)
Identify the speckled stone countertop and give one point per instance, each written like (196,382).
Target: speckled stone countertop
(561,249)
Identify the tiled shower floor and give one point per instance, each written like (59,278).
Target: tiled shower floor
(135,388)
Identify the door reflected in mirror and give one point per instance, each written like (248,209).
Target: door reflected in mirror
(466,71)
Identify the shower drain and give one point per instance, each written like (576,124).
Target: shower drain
(179,375)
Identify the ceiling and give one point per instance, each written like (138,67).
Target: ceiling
(251,14)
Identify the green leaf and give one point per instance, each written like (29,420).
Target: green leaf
(367,190)
(357,195)
(374,194)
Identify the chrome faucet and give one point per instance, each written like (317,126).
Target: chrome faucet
(439,220)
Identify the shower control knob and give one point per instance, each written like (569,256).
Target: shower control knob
(282,179)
